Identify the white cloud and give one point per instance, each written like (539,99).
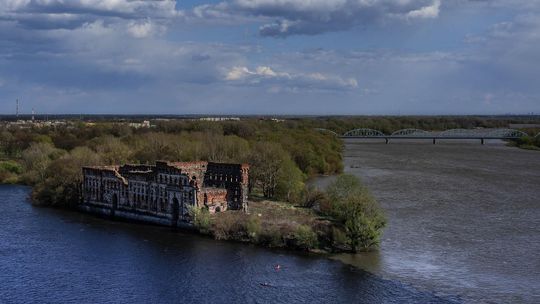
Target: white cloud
(143,29)
(237,73)
(54,14)
(290,17)
(430,11)
(241,72)
(262,75)
(153,7)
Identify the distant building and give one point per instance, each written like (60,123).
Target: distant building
(28,124)
(163,193)
(219,118)
(137,125)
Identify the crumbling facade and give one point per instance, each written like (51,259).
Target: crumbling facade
(163,193)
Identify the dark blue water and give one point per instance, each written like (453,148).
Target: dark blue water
(55,256)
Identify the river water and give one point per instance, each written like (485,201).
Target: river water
(54,256)
(464,219)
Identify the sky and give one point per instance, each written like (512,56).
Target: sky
(352,57)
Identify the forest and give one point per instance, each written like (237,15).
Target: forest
(282,154)
(389,124)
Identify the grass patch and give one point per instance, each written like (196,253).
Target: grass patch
(273,224)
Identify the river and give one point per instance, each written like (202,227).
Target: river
(464,218)
(55,256)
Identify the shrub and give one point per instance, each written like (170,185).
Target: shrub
(227,226)
(326,206)
(253,227)
(271,237)
(312,197)
(527,142)
(339,239)
(305,238)
(9,172)
(201,218)
(11,167)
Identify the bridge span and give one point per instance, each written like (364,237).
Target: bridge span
(414,134)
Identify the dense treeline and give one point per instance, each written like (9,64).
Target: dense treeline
(390,124)
(282,154)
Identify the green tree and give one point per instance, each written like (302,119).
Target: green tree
(305,237)
(357,210)
(343,186)
(266,161)
(225,148)
(338,190)
(153,146)
(61,186)
(363,220)
(290,183)
(7,143)
(36,159)
(112,150)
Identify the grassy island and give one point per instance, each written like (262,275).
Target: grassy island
(344,217)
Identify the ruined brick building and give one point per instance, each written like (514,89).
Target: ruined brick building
(162,193)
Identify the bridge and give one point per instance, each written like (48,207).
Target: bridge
(479,134)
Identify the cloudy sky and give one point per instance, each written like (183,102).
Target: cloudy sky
(270,56)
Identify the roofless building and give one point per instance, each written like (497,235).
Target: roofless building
(162,193)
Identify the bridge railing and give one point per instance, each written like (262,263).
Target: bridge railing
(364,132)
(411,132)
(418,133)
(507,133)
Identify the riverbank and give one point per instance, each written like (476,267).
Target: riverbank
(268,224)
(527,143)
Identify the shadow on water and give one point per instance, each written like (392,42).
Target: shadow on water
(57,256)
